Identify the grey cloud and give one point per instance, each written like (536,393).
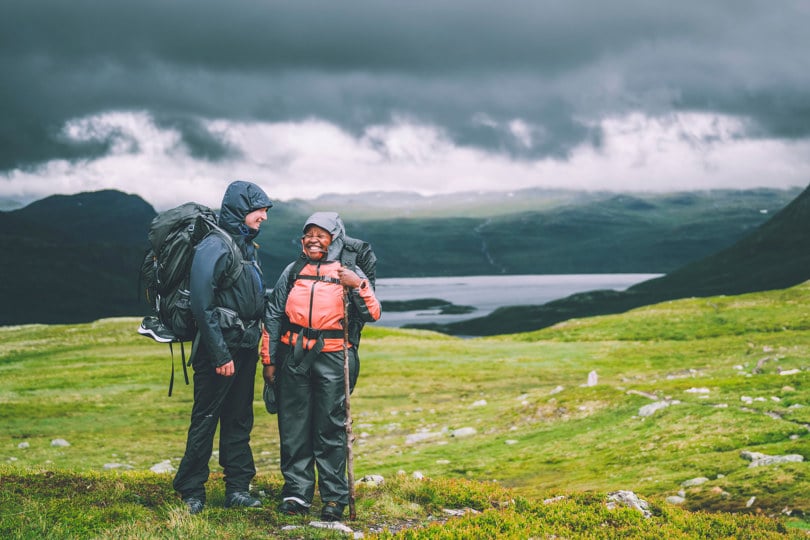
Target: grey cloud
(558,67)
(200,142)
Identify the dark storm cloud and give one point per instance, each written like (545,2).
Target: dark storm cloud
(467,66)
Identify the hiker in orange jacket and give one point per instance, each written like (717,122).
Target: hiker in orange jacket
(304,320)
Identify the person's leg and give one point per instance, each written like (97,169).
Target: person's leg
(329,417)
(210,390)
(295,433)
(236,423)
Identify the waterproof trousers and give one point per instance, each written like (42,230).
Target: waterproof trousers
(227,402)
(311,425)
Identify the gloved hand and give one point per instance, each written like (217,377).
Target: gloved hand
(269,395)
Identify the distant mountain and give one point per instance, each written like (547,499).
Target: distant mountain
(76,258)
(479,204)
(72,258)
(99,216)
(567,232)
(774,256)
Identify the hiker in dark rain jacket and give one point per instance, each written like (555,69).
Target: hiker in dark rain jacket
(225,352)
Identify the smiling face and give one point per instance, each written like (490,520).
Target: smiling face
(254,219)
(316,242)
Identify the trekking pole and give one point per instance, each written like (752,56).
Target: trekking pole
(349,435)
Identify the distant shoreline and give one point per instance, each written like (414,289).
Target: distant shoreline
(447,299)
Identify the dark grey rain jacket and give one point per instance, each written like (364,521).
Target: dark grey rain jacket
(228,318)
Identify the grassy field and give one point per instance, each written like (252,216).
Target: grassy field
(498,425)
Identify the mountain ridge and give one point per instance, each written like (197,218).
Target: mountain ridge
(775,255)
(76,258)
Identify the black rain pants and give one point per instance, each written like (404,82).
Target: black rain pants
(227,401)
(311,425)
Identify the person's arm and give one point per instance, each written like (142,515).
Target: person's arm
(208,266)
(264,347)
(361,294)
(274,316)
(268,369)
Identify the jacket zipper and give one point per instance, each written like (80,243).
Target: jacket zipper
(312,292)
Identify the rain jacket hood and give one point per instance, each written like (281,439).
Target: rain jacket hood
(329,221)
(240,199)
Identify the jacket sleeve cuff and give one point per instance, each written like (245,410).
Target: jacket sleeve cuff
(223,361)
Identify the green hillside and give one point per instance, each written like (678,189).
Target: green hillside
(680,391)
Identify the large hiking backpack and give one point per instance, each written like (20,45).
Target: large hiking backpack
(173,235)
(356,253)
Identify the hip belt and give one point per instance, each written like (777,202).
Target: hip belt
(314,333)
(301,359)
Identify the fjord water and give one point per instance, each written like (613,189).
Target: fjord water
(486,293)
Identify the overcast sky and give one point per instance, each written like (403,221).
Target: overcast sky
(172,99)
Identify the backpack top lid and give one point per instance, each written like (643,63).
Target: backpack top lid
(181,217)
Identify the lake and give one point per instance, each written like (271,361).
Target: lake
(486,293)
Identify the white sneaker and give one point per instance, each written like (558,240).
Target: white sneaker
(153,328)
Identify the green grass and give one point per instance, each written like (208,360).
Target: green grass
(540,431)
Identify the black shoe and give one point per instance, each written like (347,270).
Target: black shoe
(194,505)
(153,328)
(292,508)
(332,511)
(242,499)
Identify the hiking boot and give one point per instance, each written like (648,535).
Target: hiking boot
(194,505)
(292,508)
(153,328)
(242,499)
(332,511)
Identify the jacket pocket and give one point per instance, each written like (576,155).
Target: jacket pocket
(236,332)
(232,327)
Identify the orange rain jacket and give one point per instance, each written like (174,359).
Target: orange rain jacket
(316,305)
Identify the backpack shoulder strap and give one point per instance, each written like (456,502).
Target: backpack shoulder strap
(294,272)
(237,261)
(358,253)
(348,258)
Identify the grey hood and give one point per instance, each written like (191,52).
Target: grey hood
(329,221)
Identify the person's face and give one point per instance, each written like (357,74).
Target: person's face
(254,219)
(316,242)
